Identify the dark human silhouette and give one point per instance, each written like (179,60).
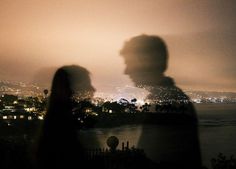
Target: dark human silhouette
(176,141)
(58,145)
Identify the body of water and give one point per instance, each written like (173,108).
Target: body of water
(217,133)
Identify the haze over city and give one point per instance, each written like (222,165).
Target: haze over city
(36,37)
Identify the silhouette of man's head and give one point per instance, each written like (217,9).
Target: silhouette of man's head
(145,58)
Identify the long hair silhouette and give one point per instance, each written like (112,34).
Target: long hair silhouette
(58,144)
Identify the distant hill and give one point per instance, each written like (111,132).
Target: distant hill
(211,96)
(27,89)
(20,88)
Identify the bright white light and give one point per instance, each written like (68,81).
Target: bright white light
(40,117)
(140,102)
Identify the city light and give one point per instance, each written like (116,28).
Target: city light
(40,117)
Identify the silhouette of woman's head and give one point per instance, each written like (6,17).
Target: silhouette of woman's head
(71,80)
(145,56)
(61,87)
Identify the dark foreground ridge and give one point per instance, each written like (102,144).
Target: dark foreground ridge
(15,154)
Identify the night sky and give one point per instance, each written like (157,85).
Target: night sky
(37,36)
